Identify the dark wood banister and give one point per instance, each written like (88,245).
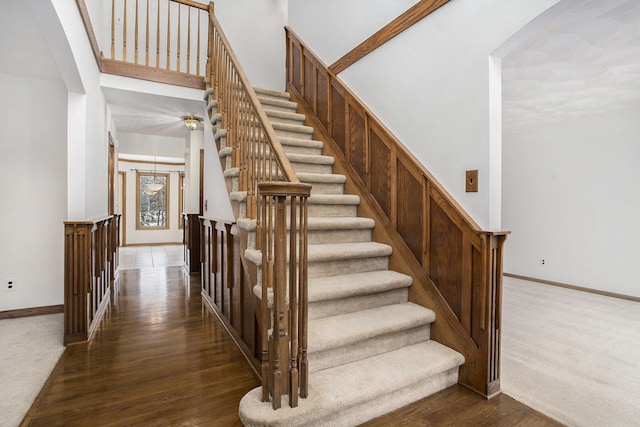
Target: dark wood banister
(414,14)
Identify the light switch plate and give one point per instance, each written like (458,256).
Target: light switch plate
(472,181)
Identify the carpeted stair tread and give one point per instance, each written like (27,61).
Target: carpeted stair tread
(334,287)
(360,390)
(310,143)
(276,114)
(277,103)
(327,178)
(342,251)
(271,92)
(334,199)
(347,329)
(292,128)
(311,158)
(339,223)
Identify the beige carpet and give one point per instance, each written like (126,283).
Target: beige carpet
(29,350)
(572,355)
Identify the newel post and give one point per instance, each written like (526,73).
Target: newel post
(284,272)
(491,321)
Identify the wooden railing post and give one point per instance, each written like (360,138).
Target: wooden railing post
(287,344)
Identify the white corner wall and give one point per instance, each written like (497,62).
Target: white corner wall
(431,85)
(333,27)
(570,197)
(33,191)
(216,198)
(255,29)
(150,145)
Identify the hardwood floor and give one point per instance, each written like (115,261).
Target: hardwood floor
(159,358)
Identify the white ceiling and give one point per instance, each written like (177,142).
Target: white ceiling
(150,114)
(585,62)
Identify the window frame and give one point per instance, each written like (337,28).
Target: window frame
(167,176)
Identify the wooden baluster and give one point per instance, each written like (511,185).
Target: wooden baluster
(146,56)
(262,231)
(178,41)
(189,41)
(198,48)
(158,38)
(293,308)
(113,29)
(279,291)
(304,301)
(135,49)
(124,33)
(168,33)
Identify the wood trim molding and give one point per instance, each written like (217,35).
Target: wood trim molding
(86,19)
(32,311)
(574,287)
(414,14)
(150,162)
(142,72)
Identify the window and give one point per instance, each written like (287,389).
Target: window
(152,206)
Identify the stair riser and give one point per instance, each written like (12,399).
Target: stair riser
(320,309)
(296,149)
(276,107)
(324,188)
(316,237)
(312,167)
(385,403)
(332,210)
(339,236)
(273,97)
(347,266)
(289,121)
(362,349)
(293,134)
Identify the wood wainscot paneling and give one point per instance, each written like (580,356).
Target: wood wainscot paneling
(456,266)
(225,289)
(90,273)
(191,241)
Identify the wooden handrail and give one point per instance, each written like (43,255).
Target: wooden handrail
(456,266)
(289,174)
(265,175)
(413,15)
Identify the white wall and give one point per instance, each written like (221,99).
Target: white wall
(333,27)
(430,85)
(255,29)
(570,197)
(150,145)
(217,203)
(33,190)
(171,235)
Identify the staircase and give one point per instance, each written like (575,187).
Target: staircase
(369,348)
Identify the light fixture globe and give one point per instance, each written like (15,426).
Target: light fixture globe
(191,122)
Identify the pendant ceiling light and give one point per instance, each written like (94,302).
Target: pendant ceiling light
(154,186)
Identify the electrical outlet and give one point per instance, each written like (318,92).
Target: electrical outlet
(10,285)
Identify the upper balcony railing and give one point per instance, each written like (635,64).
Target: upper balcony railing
(158,40)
